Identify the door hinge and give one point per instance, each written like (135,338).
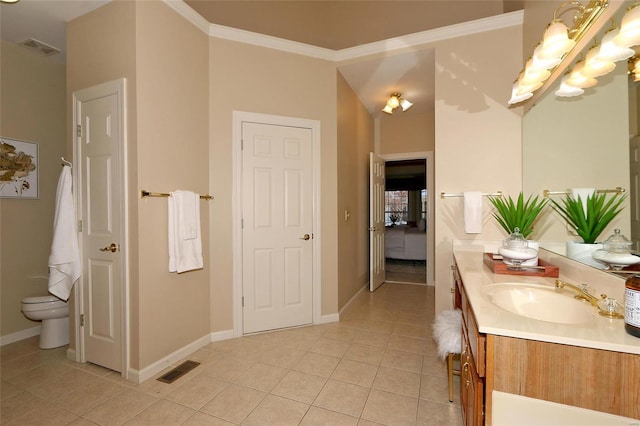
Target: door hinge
(243,301)
(242,223)
(79,226)
(241,144)
(81,320)
(79,130)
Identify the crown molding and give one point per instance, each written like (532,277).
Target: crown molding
(411,40)
(189,14)
(257,39)
(505,20)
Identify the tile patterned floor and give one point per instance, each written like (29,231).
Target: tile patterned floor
(377,366)
(406,271)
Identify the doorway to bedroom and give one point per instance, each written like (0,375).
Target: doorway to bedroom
(406,208)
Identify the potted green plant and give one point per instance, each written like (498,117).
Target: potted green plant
(519,214)
(588,219)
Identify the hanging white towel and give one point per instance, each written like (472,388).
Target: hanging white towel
(64,260)
(583,193)
(185,241)
(472,212)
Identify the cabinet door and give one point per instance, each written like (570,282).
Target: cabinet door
(465,403)
(471,389)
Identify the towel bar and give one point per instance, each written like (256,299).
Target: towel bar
(618,190)
(484,194)
(144,193)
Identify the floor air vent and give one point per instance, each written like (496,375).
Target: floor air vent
(178,372)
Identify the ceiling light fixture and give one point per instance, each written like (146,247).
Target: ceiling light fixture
(634,68)
(395,101)
(630,27)
(557,41)
(9,1)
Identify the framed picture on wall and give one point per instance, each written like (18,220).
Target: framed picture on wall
(18,169)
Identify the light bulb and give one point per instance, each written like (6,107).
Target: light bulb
(566,91)
(578,79)
(594,66)
(610,51)
(517,98)
(556,41)
(393,101)
(405,104)
(629,28)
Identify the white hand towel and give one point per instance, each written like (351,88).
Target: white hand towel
(472,212)
(583,193)
(185,241)
(64,261)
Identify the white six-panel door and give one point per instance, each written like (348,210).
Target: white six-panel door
(100,184)
(277,231)
(377,270)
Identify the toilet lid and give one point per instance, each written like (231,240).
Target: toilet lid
(41,299)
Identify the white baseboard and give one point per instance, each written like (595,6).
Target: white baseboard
(346,305)
(20,335)
(221,335)
(71,355)
(324,319)
(139,376)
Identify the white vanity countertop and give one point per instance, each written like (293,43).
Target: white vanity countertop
(601,333)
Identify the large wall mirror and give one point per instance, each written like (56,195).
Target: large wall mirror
(582,142)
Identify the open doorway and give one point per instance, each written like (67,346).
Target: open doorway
(405,212)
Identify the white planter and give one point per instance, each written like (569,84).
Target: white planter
(582,252)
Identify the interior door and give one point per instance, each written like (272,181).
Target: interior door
(376,221)
(277,233)
(100,183)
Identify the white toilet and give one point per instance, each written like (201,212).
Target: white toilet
(54,314)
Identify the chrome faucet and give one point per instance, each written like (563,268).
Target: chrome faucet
(606,307)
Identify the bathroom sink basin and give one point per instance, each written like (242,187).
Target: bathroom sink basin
(540,302)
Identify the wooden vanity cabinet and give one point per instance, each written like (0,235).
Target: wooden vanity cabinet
(472,361)
(594,379)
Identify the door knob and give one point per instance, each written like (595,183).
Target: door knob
(112,248)
(305,237)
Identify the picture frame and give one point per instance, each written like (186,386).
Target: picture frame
(18,169)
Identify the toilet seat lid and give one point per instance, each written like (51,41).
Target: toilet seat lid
(41,299)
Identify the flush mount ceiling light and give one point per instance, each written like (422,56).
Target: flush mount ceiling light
(557,41)
(395,101)
(9,1)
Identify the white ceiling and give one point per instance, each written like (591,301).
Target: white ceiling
(373,80)
(44,20)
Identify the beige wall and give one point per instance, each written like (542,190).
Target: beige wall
(407,133)
(32,109)
(477,137)
(173,153)
(355,141)
(253,79)
(164,59)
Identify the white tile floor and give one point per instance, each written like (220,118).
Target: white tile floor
(378,365)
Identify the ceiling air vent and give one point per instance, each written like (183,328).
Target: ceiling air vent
(39,47)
